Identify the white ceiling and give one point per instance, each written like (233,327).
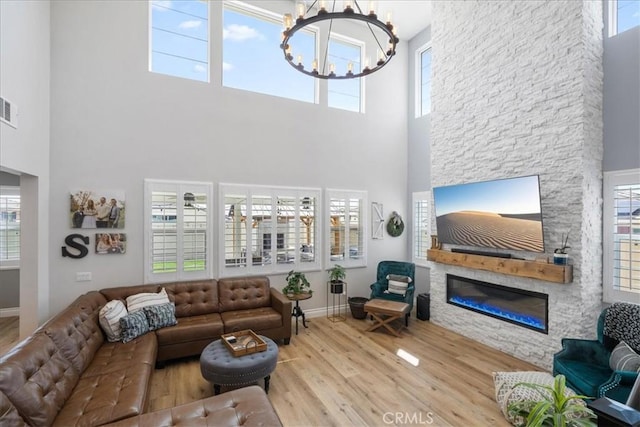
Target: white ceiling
(408,16)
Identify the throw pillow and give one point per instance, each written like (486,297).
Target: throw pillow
(139,301)
(623,358)
(160,316)
(134,325)
(398,284)
(109,318)
(507,393)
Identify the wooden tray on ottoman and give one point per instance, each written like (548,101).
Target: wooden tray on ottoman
(247,342)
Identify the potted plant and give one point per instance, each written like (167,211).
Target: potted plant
(297,283)
(336,276)
(560,256)
(554,408)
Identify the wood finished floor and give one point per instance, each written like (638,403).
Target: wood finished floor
(335,374)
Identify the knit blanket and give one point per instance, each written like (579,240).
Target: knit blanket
(622,323)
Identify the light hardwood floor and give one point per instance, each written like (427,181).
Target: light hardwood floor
(335,374)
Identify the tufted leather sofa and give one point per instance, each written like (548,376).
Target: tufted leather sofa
(67,374)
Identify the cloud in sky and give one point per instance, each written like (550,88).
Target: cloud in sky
(199,68)
(240,33)
(190,24)
(227,66)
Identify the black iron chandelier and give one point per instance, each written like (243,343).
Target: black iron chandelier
(352,11)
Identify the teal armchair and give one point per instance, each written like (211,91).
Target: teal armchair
(382,284)
(585,364)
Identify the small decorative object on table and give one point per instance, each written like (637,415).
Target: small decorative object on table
(243,342)
(560,256)
(297,283)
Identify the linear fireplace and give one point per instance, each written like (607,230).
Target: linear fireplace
(524,308)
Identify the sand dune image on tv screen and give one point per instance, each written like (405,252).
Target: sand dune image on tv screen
(488,229)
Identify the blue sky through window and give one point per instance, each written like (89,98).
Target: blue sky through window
(253,60)
(344,94)
(425,82)
(180,39)
(628,14)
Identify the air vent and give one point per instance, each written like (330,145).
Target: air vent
(8,113)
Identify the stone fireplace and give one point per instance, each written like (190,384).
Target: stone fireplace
(518,306)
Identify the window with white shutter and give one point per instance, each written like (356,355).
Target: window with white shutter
(347,226)
(9,227)
(177,231)
(421,226)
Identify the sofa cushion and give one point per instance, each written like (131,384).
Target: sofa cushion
(160,316)
(106,398)
(37,378)
(195,328)
(248,407)
(9,415)
(137,302)
(77,333)
(244,293)
(623,358)
(123,292)
(115,356)
(194,298)
(134,325)
(110,316)
(257,319)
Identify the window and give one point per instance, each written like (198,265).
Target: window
(268,229)
(623,15)
(421,226)
(9,227)
(621,220)
(252,58)
(178,232)
(347,228)
(423,81)
(345,94)
(179,39)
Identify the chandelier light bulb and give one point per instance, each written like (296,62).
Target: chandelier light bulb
(388,18)
(299,59)
(332,69)
(287,21)
(373,5)
(300,8)
(314,65)
(322,6)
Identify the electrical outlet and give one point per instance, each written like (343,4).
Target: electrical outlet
(83,276)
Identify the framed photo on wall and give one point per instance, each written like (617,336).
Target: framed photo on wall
(97,209)
(111,243)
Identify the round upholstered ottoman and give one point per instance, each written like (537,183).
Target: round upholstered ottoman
(220,367)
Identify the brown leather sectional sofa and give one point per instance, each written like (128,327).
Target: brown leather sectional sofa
(67,374)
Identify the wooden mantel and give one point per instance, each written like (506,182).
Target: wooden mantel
(514,267)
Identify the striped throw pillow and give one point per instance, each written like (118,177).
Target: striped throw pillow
(139,301)
(623,358)
(109,318)
(398,284)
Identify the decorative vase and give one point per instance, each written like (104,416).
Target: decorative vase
(560,259)
(337,287)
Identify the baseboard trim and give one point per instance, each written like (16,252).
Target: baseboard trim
(10,312)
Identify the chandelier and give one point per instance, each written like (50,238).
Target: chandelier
(383,33)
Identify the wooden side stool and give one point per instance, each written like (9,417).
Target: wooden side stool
(384,312)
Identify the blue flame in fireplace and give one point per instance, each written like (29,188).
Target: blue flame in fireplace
(530,321)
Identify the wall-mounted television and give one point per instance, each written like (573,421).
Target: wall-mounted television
(500,214)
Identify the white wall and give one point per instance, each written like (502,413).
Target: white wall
(114,124)
(523,96)
(24,80)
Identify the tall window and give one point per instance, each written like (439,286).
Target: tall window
(179,38)
(9,227)
(345,94)
(423,81)
(623,15)
(347,244)
(421,226)
(252,59)
(621,219)
(268,229)
(178,232)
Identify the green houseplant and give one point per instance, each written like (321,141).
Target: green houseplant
(336,275)
(297,284)
(554,408)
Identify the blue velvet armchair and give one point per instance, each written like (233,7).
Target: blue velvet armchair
(381,285)
(585,364)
